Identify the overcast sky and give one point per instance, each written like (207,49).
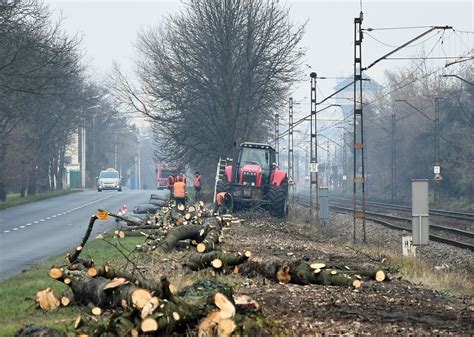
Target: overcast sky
(109,30)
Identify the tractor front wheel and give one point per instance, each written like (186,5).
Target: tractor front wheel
(222,186)
(278,198)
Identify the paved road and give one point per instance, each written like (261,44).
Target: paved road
(33,232)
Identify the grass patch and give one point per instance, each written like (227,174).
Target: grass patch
(448,282)
(16,199)
(17,294)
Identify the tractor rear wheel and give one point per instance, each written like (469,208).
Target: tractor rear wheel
(278,198)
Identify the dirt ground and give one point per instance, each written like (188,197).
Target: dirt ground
(394,307)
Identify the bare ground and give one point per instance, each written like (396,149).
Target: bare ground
(394,307)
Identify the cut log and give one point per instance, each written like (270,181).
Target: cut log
(187,232)
(298,272)
(96,311)
(226,307)
(211,239)
(130,220)
(150,208)
(217,263)
(216,259)
(149,324)
(111,273)
(91,291)
(65,300)
(181,207)
(317,265)
(56,273)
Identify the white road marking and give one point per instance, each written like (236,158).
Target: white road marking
(69,224)
(59,214)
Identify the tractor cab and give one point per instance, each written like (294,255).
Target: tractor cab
(255,164)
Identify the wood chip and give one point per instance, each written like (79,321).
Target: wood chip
(47,300)
(150,307)
(116,282)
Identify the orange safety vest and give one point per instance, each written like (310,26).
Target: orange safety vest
(179,189)
(220,198)
(197,181)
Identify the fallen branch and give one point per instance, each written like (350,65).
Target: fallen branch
(78,250)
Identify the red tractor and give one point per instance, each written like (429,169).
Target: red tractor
(254,180)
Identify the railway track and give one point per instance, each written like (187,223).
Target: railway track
(437,212)
(404,223)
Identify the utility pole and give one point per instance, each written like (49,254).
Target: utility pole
(277,137)
(328,166)
(437,177)
(358,198)
(83,156)
(344,166)
(393,160)
(291,163)
(313,187)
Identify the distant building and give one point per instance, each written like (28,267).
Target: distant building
(346,97)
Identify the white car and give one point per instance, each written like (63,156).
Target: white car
(109,180)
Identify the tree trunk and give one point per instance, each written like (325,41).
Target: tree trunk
(3,155)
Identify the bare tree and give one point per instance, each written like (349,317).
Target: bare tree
(214,74)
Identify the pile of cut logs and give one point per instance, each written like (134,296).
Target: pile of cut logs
(122,303)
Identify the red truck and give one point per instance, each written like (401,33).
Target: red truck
(163,171)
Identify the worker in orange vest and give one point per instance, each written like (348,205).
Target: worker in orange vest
(182,178)
(197,186)
(224,203)
(180,191)
(170,184)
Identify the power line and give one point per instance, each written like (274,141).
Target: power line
(393,46)
(426,58)
(397,28)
